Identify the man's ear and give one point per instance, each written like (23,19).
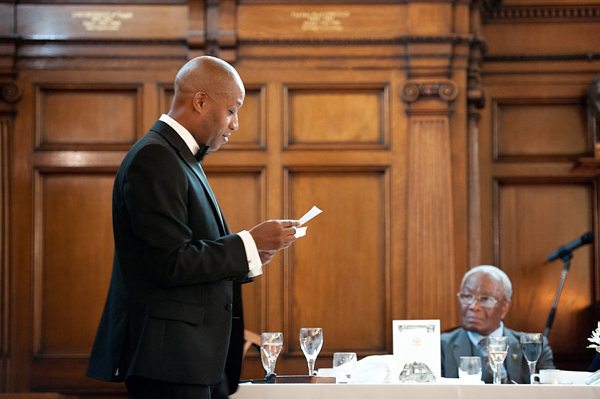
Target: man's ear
(505,308)
(199,101)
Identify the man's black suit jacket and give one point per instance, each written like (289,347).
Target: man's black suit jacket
(174,310)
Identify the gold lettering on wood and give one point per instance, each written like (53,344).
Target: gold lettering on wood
(102,20)
(321,21)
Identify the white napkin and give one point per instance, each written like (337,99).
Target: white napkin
(373,369)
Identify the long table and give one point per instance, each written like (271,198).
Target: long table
(419,391)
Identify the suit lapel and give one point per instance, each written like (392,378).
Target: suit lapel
(186,155)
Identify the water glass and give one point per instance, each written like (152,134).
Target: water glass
(469,369)
(311,341)
(497,348)
(531,344)
(344,366)
(270,347)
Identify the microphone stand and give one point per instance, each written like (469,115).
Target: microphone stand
(566,258)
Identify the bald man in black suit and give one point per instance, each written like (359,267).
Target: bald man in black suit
(172,325)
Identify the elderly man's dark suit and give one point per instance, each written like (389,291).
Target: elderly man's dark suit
(173,311)
(457,343)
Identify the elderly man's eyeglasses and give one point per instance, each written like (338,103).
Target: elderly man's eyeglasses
(484,300)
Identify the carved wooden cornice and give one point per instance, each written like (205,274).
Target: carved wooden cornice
(543,13)
(413,90)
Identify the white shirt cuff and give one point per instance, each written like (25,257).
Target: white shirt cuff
(254,262)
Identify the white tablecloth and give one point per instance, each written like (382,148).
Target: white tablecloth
(417,391)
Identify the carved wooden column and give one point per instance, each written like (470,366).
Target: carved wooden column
(9,95)
(430,227)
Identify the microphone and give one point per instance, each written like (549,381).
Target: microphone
(586,238)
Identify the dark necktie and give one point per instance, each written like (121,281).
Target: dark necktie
(486,369)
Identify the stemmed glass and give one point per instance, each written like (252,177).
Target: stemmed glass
(311,341)
(531,344)
(497,348)
(270,346)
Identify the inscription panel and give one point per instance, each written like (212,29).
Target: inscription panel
(73,258)
(336,116)
(320,21)
(537,127)
(341,263)
(87,116)
(101,21)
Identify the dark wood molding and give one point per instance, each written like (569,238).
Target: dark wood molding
(543,13)
(587,56)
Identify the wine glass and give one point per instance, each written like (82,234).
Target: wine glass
(270,345)
(497,348)
(531,344)
(311,341)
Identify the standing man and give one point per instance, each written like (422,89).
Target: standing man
(172,325)
(484,298)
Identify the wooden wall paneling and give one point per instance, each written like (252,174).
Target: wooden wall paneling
(71,271)
(338,273)
(71,259)
(356,113)
(87,116)
(529,128)
(533,220)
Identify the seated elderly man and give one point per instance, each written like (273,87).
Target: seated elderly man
(484,299)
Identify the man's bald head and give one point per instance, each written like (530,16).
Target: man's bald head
(208,95)
(209,74)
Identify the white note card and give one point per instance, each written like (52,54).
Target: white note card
(301,231)
(416,350)
(314,211)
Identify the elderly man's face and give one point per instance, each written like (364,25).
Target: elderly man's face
(477,318)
